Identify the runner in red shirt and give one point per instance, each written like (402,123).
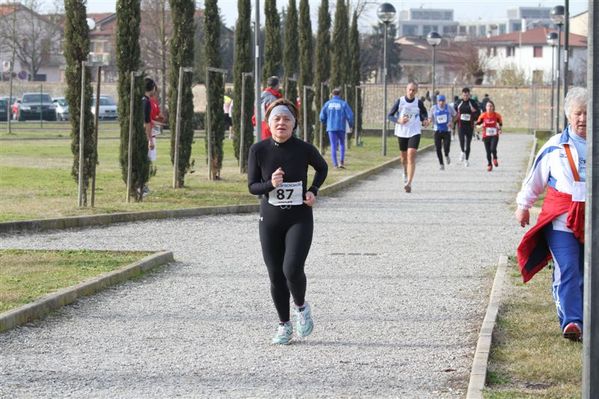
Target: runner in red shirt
(491,123)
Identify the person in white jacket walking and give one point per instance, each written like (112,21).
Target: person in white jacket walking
(559,167)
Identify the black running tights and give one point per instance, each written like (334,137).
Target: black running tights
(491,147)
(465,136)
(442,139)
(286,237)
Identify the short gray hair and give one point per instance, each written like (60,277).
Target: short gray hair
(576,96)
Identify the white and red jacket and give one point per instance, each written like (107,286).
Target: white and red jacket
(552,169)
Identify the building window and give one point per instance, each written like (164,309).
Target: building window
(510,51)
(502,29)
(482,30)
(410,30)
(537,76)
(516,27)
(472,30)
(537,51)
(491,51)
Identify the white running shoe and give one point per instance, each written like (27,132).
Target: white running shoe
(466,163)
(462,156)
(448,160)
(442,167)
(284,334)
(303,320)
(405,177)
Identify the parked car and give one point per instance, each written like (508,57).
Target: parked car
(5,107)
(37,106)
(62,109)
(3,110)
(107,109)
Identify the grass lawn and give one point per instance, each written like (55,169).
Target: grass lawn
(26,275)
(36,181)
(529,357)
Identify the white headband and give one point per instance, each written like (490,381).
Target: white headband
(280,110)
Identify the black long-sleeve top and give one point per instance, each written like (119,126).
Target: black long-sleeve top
(293,156)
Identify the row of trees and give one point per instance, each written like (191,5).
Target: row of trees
(337,63)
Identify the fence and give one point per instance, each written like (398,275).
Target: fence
(522,107)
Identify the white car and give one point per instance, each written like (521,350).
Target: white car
(62,109)
(107,109)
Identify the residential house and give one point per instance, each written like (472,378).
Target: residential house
(37,40)
(528,54)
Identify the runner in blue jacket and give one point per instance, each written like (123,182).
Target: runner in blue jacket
(336,114)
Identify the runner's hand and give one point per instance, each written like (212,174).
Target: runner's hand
(310,198)
(277,177)
(523,216)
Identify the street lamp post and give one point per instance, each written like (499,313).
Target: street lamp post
(557,16)
(552,41)
(434,39)
(386,14)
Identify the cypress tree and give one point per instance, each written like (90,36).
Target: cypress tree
(354,72)
(76,50)
(323,56)
(290,64)
(243,63)
(339,47)
(216,87)
(306,62)
(128,18)
(182,55)
(272,41)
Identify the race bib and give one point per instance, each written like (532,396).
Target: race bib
(465,117)
(288,193)
(579,191)
(156,130)
(411,115)
(491,131)
(441,119)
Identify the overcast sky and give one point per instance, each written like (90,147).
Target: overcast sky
(465,10)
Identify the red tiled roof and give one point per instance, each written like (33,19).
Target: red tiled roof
(536,36)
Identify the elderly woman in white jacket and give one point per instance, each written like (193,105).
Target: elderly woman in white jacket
(559,167)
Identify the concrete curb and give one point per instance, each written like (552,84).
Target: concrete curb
(50,302)
(105,219)
(478,372)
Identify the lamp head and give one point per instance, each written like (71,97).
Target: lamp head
(386,13)
(433,38)
(558,14)
(552,38)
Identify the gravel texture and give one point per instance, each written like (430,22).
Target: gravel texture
(398,285)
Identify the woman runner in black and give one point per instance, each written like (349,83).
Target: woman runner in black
(278,171)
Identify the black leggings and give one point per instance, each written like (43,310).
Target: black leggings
(286,237)
(465,136)
(445,139)
(491,147)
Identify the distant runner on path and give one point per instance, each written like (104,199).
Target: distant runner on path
(409,115)
(278,171)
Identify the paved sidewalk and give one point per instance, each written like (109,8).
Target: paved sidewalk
(398,285)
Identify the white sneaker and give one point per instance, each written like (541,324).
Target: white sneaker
(284,334)
(303,320)
(462,156)
(442,167)
(466,163)
(405,177)
(448,160)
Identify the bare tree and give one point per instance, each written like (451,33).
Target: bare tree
(156,29)
(469,62)
(35,39)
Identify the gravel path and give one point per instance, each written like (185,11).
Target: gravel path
(398,285)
